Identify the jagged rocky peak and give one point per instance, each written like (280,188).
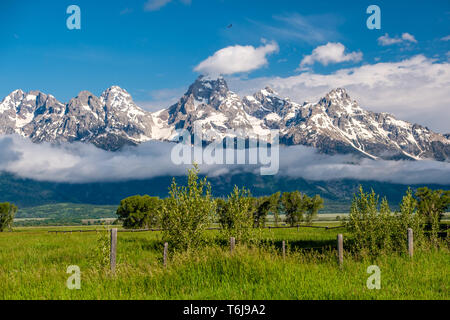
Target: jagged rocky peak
(205,87)
(334,124)
(12,100)
(336,96)
(267,94)
(84,102)
(267,101)
(115,96)
(339,101)
(84,95)
(14,96)
(205,93)
(268,91)
(19,101)
(338,93)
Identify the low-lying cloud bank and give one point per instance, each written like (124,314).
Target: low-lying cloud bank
(82,163)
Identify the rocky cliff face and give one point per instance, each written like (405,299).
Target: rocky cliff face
(334,124)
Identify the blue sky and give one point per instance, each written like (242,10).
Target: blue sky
(151,47)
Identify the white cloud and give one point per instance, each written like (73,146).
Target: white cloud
(330,53)
(79,162)
(82,163)
(154,5)
(414,89)
(409,37)
(236,59)
(387,41)
(304,162)
(446,38)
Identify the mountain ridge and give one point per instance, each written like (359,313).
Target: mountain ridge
(335,124)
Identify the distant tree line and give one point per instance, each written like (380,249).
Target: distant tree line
(143,211)
(189,210)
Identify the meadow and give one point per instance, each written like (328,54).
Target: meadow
(33,264)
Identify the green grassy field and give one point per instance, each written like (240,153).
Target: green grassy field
(33,265)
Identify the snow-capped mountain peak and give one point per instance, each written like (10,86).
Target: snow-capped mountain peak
(334,124)
(207,88)
(115,95)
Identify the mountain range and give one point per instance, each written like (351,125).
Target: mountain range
(336,124)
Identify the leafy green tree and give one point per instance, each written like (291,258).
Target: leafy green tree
(187,212)
(294,206)
(7,212)
(139,212)
(263,206)
(432,204)
(236,218)
(313,205)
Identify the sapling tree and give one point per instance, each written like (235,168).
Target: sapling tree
(187,212)
(237,215)
(374,228)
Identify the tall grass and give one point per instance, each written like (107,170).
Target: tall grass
(33,265)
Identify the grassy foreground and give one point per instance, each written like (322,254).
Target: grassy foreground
(33,265)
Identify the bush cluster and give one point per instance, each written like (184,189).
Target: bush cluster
(374,228)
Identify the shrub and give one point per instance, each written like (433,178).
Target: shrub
(236,215)
(409,217)
(375,229)
(366,225)
(187,212)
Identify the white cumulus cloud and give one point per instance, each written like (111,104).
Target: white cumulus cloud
(237,59)
(332,52)
(413,89)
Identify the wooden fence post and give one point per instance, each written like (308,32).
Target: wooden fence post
(232,244)
(284,249)
(112,253)
(166,247)
(410,242)
(340,247)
